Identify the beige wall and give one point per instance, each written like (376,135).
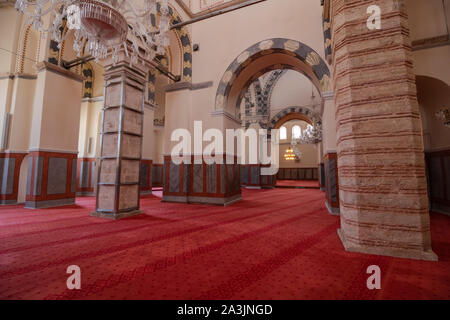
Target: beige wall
(329,125)
(427,19)
(433,95)
(56,113)
(292,89)
(90,121)
(223,38)
(309,152)
(9,30)
(433,62)
(21,111)
(149,140)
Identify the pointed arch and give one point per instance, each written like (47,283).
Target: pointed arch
(88,84)
(184,39)
(273,54)
(290,113)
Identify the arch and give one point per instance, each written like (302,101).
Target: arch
(22,50)
(27,49)
(326,19)
(184,38)
(433,95)
(88,84)
(186,48)
(290,113)
(265,56)
(263,94)
(270,85)
(54,53)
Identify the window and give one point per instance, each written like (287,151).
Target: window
(296,132)
(283,133)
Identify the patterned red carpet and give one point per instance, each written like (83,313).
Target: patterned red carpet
(298,183)
(275,244)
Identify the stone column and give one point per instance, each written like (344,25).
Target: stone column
(382,181)
(121,141)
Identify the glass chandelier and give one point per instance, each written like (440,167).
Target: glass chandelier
(103,27)
(289,154)
(313,133)
(295,147)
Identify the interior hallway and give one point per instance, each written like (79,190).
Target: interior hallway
(254,249)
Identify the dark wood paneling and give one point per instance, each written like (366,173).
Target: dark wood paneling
(438,172)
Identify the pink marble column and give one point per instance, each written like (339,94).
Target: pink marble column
(382,181)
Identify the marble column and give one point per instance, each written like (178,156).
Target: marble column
(382,180)
(121,141)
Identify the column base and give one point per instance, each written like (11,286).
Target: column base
(204,200)
(332,210)
(49,203)
(386,251)
(116,216)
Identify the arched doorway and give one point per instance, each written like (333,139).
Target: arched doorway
(433,96)
(299,163)
(269,56)
(264,56)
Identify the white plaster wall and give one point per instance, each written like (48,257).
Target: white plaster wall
(309,152)
(223,38)
(56,109)
(21,111)
(292,89)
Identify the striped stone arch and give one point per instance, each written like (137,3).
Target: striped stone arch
(88,73)
(290,113)
(54,53)
(327,31)
(22,48)
(317,68)
(185,40)
(186,48)
(270,85)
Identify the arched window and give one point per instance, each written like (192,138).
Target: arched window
(296,132)
(283,133)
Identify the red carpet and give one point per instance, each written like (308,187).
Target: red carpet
(275,244)
(308,184)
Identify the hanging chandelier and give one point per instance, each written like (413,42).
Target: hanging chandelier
(313,132)
(103,27)
(289,154)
